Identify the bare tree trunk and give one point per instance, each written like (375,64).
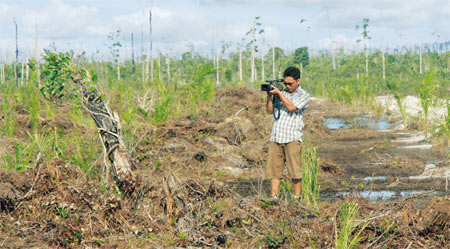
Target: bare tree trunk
(263,78)
(110,133)
(367,55)
(240,64)
(118,69)
(214,57)
(420,59)
(218,69)
(146,70)
(273,62)
(279,70)
(27,71)
(301,70)
(333,61)
(15,74)
(168,68)
(2,72)
(22,73)
(143,71)
(36,55)
(253,73)
(384,67)
(133,66)
(151,44)
(17,54)
(141,58)
(159,66)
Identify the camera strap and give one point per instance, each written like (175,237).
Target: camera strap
(276,103)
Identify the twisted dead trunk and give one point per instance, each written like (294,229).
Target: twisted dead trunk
(110,133)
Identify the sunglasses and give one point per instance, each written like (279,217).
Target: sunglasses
(288,84)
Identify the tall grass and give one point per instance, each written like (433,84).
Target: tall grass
(347,237)
(399,96)
(426,93)
(310,173)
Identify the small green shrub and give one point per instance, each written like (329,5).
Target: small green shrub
(348,237)
(310,174)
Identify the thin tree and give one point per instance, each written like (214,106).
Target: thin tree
(27,70)
(365,39)
(159,66)
(36,54)
(142,57)
(420,59)
(114,48)
(253,32)
(2,71)
(383,63)
(133,66)
(240,64)
(2,68)
(217,67)
(262,68)
(273,62)
(168,67)
(17,54)
(151,42)
(333,61)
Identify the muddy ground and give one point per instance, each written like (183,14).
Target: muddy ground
(202,185)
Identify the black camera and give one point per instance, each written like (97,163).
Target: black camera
(278,83)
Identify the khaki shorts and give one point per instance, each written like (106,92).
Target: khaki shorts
(281,153)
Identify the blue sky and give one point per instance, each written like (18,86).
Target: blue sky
(85,24)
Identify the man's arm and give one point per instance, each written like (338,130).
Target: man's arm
(288,104)
(299,103)
(269,105)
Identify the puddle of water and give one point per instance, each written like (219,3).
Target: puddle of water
(375,178)
(418,147)
(368,122)
(384,195)
(253,188)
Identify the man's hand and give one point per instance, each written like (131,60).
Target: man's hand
(274,91)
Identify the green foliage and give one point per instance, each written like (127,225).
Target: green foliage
(286,191)
(310,176)
(274,242)
(348,237)
(163,106)
(426,93)
(399,95)
(21,159)
(56,71)
(301,56)
(62,212)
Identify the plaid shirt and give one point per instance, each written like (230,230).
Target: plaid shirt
(289,127)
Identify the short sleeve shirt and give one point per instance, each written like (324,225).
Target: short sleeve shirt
(289,127)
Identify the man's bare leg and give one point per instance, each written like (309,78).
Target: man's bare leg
(297,186)
(275,184)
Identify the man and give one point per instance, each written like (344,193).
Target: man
(287,130)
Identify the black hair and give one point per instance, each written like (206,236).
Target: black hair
(293,72)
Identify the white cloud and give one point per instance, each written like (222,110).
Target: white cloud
(77,24)
(56,20)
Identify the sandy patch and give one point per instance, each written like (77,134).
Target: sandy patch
(412,106)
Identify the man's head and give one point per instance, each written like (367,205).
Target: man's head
(291,78)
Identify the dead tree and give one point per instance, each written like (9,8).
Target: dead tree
(109,129)
(17,55)
(57,73)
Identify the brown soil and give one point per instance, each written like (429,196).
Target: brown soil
(183,199)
